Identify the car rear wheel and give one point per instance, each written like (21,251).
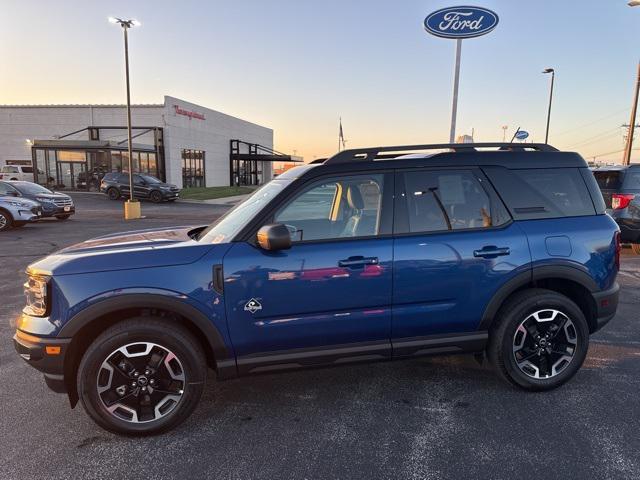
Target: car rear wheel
(141,376)
(113,193)
(6,220)
(635,248)
(155,196)
(539,341)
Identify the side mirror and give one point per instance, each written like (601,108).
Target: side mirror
(274,237)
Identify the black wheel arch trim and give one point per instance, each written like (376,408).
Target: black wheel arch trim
(223,358)
(527,278)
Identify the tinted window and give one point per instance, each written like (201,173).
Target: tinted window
(632,179)
(6,189)
(542,193)
(27,169)
(447,200)
(609,180)
(335,208)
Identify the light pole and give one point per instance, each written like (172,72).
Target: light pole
(634,107)
(553,76)
(131,207)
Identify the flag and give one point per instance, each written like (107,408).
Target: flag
(341,141)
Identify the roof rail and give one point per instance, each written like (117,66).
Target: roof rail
(372,153)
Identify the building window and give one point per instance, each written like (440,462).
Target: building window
(193,169)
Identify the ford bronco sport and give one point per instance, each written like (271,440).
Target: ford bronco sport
(372,254)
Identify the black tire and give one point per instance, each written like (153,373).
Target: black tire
(502,338)
(173,338)
(19,224)
(6,220)
(155,196)
(635,248)
(113,193)
(63,217)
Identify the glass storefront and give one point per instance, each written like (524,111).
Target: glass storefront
(193,172)
(247,172)
(62,169)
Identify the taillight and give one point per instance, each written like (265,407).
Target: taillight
(621,200)
(618,249)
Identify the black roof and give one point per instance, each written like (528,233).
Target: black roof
(506,155)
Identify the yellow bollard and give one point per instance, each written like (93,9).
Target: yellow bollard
(132,210)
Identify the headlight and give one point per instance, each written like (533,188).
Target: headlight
(19,204)
(35,291)
(44,199)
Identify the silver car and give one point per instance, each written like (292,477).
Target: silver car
(17,212)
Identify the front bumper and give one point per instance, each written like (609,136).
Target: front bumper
(53,210)
(46,355)
(28,215)
(170,195)
(606,305)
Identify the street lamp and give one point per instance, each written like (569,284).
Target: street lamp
(131,207)
(634,107)
(553,76)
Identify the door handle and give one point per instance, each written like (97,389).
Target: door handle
(358,261)
(491,252)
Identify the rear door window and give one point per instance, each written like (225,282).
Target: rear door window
(437,200)
(542,193)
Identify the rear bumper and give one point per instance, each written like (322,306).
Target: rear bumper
(34,351)
(606,305)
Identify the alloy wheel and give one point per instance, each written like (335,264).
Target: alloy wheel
(141,382)
(544,343)
(3,221)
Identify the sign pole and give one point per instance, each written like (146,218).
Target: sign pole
(456,84)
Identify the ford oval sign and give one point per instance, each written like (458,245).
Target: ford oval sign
(461,22)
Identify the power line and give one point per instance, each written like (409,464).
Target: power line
(591,123)
(596,138)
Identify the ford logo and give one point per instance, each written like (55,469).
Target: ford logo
(460,22)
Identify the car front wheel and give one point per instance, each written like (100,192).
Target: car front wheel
(155,196)
(63,217)
(141,376)
(5,220)
(539,341)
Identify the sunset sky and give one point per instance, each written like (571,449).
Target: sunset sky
(297,66)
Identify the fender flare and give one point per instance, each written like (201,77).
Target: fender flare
(525,278)
(223,357)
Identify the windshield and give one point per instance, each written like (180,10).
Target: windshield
(150,179)
(230,224)
(32,188)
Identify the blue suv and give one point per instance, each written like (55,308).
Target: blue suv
(372,254)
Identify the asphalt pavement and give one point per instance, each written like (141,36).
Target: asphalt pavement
(429,418)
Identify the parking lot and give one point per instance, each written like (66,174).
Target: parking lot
(438,417)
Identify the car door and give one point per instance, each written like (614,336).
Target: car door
(455,246)
(328,297)
(141,188)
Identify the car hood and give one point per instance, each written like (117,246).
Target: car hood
(51,196)
(122,251)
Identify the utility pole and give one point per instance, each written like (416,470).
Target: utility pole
(504,133)
(632,124)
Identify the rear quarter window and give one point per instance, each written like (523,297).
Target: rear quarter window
(542,193)
(632,179)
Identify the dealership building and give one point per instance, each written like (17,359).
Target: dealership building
(72,146)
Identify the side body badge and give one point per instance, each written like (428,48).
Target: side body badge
(252,306)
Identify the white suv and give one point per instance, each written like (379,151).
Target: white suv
(17,172)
